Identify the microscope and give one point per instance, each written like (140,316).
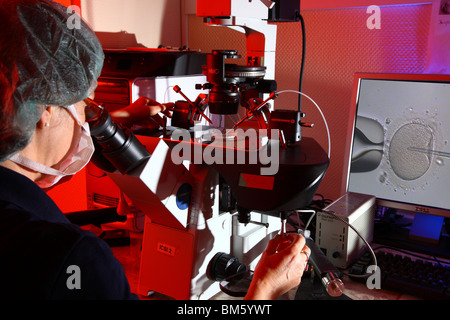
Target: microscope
(212,195)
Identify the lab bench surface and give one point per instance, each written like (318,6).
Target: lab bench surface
(130,256)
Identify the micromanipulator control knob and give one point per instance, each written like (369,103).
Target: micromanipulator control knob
(333,285)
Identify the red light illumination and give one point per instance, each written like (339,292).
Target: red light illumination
(216,8)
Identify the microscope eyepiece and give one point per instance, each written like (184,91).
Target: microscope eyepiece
(120,147)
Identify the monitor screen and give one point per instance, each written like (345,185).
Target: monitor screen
(400,151)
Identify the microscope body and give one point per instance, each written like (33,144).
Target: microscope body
(183,226)
(186,222)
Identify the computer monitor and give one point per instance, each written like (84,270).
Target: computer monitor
(400,151)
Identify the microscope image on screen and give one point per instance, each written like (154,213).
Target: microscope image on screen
(410,151)
(400,143)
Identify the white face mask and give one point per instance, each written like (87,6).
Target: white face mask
(73,163)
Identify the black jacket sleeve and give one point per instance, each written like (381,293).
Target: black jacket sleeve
(92,272)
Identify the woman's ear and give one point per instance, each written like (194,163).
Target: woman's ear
(46,117)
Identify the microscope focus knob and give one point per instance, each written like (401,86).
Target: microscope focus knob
(224,265)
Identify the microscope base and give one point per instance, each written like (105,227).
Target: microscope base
(174,262)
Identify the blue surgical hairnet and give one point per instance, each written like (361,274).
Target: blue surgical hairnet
(48,57)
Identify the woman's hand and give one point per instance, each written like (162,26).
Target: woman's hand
(280,268)
(144,111)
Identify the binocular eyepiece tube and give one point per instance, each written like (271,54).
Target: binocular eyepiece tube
(119,146)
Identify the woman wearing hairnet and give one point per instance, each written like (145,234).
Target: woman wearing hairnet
(46,71)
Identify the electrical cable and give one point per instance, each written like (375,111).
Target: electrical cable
(166,93)
(321,113)
(310,219)
(307,234)
(302,66)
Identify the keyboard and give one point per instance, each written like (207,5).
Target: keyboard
(407,274)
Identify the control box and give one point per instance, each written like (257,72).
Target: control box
(339,242)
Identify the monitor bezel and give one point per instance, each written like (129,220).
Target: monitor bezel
(358,77)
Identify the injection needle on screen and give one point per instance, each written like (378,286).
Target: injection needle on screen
(433,152)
